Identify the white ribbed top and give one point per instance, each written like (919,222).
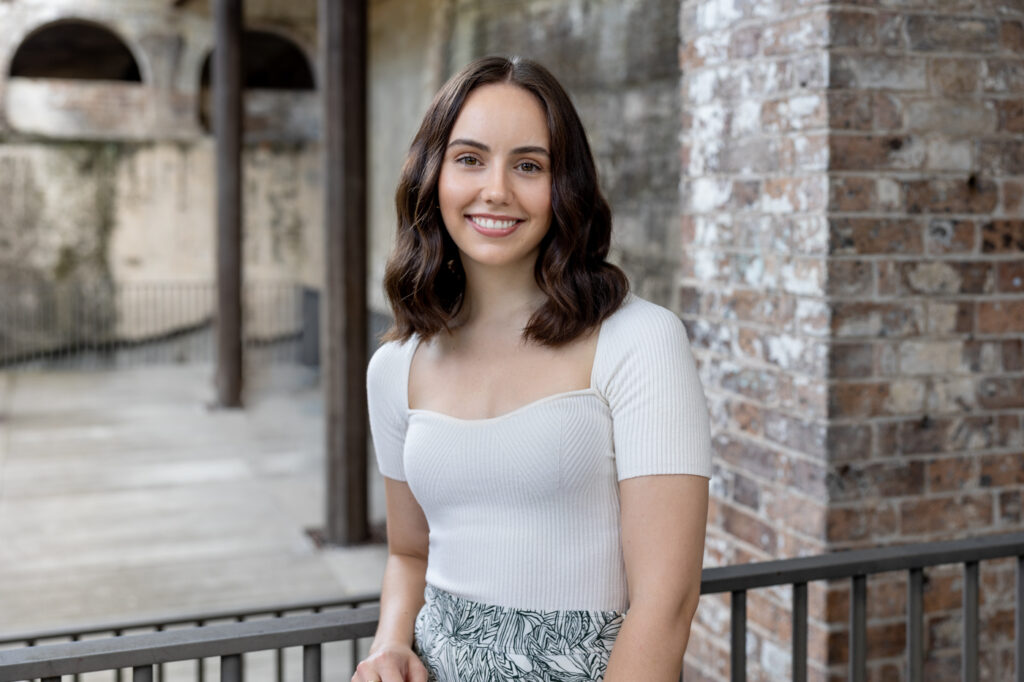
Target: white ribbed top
(523,508)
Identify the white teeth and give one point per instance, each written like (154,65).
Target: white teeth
(489,224)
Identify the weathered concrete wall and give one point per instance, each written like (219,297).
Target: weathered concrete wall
(619,61)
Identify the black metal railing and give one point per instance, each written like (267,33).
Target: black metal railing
(143,323)
(142,652)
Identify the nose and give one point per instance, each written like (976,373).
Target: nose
(496,191)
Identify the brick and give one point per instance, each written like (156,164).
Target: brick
(1000,317)
(947,235)
(866,72)
(942,592)
(848,442)
(924,436)
(864,236)
(851,110)
(851,360)
(1003,76)
(746,492)
(795,433)
(797,35)
(1002,236)
(868,481)
(1010,276)
(1001,156)
(852,524)
(865,399)
(1013,196)
(935,277)
(802,276)
(955,77)
(852,29)
(1010,507)
(1011,36)
(851,194)
(945,153)
(797,194)
(875,152)
(1001,471)
(936,33)
(742,453)
(1013,355)
(748,528)
(930,357)
(973,194)
(951,117)
(745,43)
(946,515)
(952,474)
(951,395)
(945,318)
(1000,393)
(877,319)
(850,278)
(982,357)
(1011,115)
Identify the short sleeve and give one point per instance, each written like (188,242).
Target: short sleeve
(646,371)
(387,378)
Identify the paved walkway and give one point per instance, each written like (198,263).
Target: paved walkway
(122,495)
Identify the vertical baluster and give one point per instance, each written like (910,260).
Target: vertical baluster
(1019,617)
(231,668)
(311,663)
(858,628)
(118,672)
(77,676)
(738,637)
(915,624)
(800,632)
(200,669)
(279,657)
(51,679)
(970,649)
(160,666)
(142,673)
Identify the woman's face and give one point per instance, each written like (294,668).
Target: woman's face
(495,183)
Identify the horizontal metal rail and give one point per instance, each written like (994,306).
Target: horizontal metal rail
(228,641)
(154,623)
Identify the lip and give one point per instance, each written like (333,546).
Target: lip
(490,231)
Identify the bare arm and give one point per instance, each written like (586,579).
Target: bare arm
(391,657)
(663,524)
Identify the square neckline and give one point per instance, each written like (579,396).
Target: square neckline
(415,342)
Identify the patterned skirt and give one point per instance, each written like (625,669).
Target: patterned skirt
(459,640)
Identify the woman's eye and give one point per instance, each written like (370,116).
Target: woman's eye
(468,160)
(529,167)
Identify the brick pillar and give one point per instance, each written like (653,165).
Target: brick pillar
(755,235)
(926,118)
(853,281)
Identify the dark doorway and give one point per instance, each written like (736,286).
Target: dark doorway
(75,49)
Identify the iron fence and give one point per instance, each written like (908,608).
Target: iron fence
(229,641)
(43,324)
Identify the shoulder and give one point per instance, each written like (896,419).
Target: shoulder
(639,321)
(388,365)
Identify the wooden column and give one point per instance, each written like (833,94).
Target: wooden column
(227,126)
(343,29)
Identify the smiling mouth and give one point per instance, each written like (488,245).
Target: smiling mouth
(494,223)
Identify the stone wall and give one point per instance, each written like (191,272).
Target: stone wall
(852,281)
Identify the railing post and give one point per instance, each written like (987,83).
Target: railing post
(915,624)
(311,663)
(142,673)
(799,632)
(231,668)
(1019,620)
(858,628)
(970,648)
(738,638)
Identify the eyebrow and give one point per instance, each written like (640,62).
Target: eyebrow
(484,148)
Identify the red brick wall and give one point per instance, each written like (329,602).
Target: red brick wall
(854,285)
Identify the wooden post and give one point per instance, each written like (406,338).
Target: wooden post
(343,28)
(227,119)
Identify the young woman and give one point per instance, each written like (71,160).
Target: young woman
(542,432)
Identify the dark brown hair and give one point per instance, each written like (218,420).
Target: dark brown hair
(424,280)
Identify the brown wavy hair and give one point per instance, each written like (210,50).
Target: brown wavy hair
(424,279)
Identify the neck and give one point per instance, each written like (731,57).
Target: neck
(501,296)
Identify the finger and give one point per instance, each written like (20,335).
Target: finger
(366,672)
(390,672)
(417,671)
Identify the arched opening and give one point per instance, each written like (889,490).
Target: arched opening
(269,62)
(75,49)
